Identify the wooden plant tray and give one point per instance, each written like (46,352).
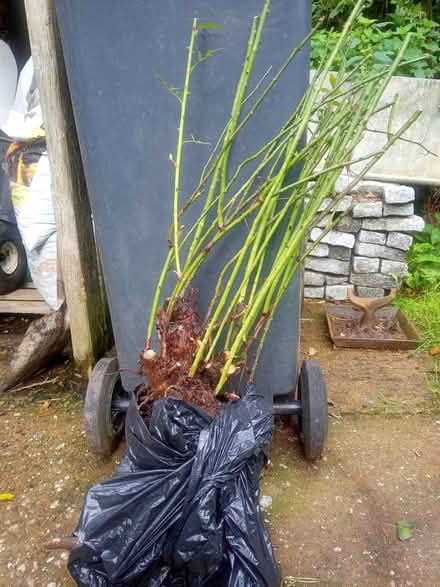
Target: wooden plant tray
(347,311)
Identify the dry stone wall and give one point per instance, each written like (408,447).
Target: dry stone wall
(368,247)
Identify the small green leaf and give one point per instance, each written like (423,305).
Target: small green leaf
(382,58)
(208,25)
(354,43)
(332,80)
(405,529)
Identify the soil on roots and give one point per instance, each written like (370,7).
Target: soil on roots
(168,373)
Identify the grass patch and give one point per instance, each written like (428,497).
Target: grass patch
(424,310)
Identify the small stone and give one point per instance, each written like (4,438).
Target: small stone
(265,502)
(336,292)
(394,223)
(372,280)
(398,194)
(341,253)
(14,528)
(398,209)
(365,265)
(21,568)
(336,280)
(337,549)
(368,210)
(314,292)
(375,238)
(370,292)
(328,266)
(312,278)
(320,250)
(394,267)
(342,206)
(64,556)
(51,584)
(54,504)
(334,237)
(398,240)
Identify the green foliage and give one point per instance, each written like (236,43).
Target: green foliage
(379,37)
(424,258)
(423,308)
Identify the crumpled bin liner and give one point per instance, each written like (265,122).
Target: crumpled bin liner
(183,508)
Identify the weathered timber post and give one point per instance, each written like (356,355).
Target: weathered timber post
(86,300)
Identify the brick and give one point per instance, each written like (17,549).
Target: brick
(368,210)
(323,265)
(321,250)
(370,250)
(336,292)
(398,209)
(398,240)
(372,279)
(334,237)
(346,224)
(341,253)
(365,265)
(314,292)
(370,292)
(376,187)
(375,238)
(409,224)
(342,206)
(312,278)
(349,224)
(336,279)
(394,223)
(394,267)
(398,194)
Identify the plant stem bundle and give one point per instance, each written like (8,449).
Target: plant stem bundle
(279,199)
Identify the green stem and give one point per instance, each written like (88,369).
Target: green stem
(179,151)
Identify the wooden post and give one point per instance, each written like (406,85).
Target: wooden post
(86,301)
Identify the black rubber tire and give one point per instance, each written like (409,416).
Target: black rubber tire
(10,238)
(102,435)
(314,414)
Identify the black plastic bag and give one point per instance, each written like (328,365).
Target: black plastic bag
(183,509)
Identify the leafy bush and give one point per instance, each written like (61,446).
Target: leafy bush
(424,258)
(380,41)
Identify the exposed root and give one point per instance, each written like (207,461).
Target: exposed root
(167,373)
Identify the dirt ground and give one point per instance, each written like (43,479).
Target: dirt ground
(332,521)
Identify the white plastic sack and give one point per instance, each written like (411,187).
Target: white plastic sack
(25,119)
(36,222)
(8,83)
(33,205)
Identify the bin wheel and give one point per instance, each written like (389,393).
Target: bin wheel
(13,263)
(313,420)
(105,407)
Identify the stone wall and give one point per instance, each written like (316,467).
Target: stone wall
(368,247)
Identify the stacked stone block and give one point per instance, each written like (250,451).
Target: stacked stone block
(368,247)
